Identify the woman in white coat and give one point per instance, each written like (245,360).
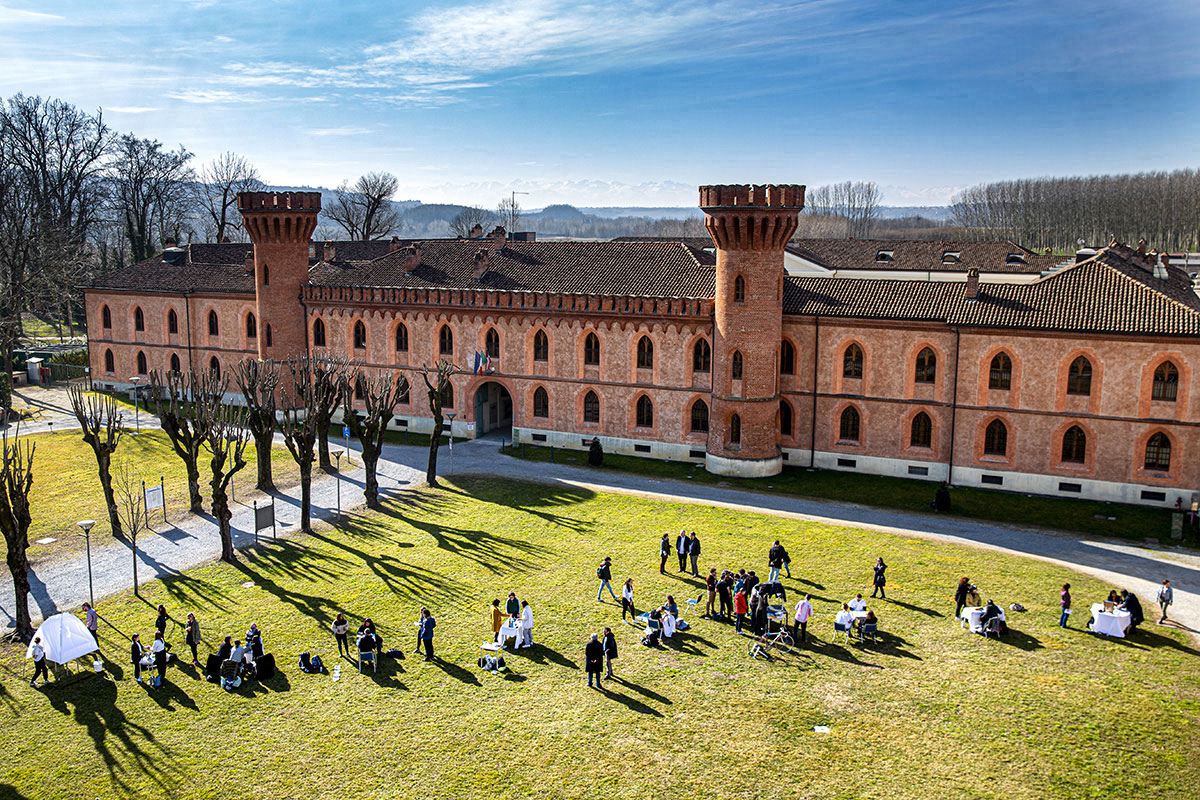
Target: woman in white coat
(526,639)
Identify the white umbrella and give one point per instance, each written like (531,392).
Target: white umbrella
(65,638)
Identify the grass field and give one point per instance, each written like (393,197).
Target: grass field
(1083,516)
(66,485)
(930,711)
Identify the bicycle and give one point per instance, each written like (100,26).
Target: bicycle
(780,640)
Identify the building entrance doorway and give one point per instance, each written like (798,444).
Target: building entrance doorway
(493,409)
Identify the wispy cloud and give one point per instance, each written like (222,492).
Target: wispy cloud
(345,130)
(211,96)
(131,109)
(17,16)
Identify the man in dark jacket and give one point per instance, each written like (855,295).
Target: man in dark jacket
(775,561)
(610,651)
(664,550)
(425,632)
(604,573)
(136,651)
(1130,603)
(681,549)
(751,582)
(725,592)
(593,657)
(513,606)
(694,552)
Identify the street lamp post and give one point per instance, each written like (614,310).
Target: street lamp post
(337,460)
(137,406)
(451,415)
(86,525)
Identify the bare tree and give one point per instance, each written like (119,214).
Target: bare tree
(16,479)
(259,383)
(435,394)
(333,373)
(380,394)
(856,202)
(134,514)
(150,192)
(365,211)
(176,400)
(465,221)
(220,182)
(305,397)
(226,437)
(509,212)
(103,428)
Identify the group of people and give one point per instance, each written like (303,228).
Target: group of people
(687,547)
(158,654)
(854,616)
(520,619)
(368,640)
(598,657)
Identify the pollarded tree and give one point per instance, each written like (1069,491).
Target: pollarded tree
(226,435)
(103,428)
(176,400)
(435,389)
(380,393)
(16,479)
(331,374)
(305,397)
(259,383)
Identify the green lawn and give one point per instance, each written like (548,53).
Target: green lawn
(1083,516)
(66,485)
(932,711)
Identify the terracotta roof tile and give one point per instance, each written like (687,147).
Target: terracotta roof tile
(922,256)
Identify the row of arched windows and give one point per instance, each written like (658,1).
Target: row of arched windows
(143,368)
(214,323)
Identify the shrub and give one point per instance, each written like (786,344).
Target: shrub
(596,453)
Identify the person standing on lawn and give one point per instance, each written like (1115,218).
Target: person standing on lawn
(880,580)
(426,632)
(725,594)
(787,562)
(93,623)
(497,618)
(711,584)
(341,632)
(627,600)
(39,663)
(681,549)
(159,649)
(610,651)
(136,654)
(512,607)
(664,550)
(1064,602)
(1166,596)
(775,561)
(160,622)
(804,610)
(604,573)
(740,606)
(960,595)
(192,637)
(694,553)
(593,657)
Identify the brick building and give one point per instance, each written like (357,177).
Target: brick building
(979,363)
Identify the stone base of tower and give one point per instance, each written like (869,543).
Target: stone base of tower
(743,467)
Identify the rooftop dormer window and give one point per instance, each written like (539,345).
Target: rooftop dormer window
(951,257)
(1014,258)
(885,257)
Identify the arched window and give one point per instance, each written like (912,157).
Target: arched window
(921,434)
(785,418)
(266,275)
(541,403)
(448,395)
(852,362)
(141,363)
(591,407)
(139,319)
(699,417)
(926,366)
(491,343)
(701,356)
(1079,377)
(175,366)
(213,328)
(591,350)
(251,327)
(851,425)
(1166,382)
(318,333)
(269,343)
(735,429)
(105,317)
(995,439)
(401,338)
(214,366)
(1074,445)
(541,346)
(109,362)
(736,365)
(645,412)
(739,289)
(446,341)
(1000,375)
(645,353)
(1158,453)
(360,387)
(360,336)
(172,322)
(787,358)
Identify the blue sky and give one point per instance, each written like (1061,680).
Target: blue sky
(635,102)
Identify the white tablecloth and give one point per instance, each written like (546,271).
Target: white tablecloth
(972,616)
(508,631)
(1110,623)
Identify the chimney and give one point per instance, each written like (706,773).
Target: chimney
(1141,248)
(412,257)
(330,252)
(394,244)
(476,231)
(972,292)
(481,263)
(499,236)
(1161,260)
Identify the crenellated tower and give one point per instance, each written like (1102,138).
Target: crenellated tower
(751,226)
(280,224)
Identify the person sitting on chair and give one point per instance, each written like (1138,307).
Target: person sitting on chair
(991,611)
(254,642)
(857,604)
(239,653)
(844,616)
(1130,603)
(365,641)
(671,606)
(226,648)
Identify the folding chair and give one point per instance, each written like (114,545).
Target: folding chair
(992,627)
(368,657)
(867,629)
(692,603)
(844,630)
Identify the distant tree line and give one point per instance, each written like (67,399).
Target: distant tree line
(1161,207)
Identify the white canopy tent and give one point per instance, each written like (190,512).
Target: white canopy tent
(65,638)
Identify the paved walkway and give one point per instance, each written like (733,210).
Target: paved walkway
(194,541)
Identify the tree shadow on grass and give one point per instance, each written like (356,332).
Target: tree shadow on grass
(544,495)
(171,696)
(498,554)
(123,745)
(929,612)
(399,576)
(183,589)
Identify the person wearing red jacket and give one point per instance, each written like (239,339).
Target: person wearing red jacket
(740,607)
